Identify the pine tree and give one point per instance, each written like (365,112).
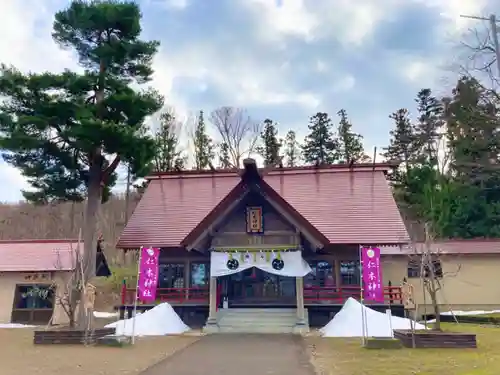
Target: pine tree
(427,130)
(292,149)
(203,147)
(224,158)
(168,157)
(58,128)
(270,148)
(350,144)
(320,146)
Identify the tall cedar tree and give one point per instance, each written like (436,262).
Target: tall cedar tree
(403,145)
(167,154)
(291,149)
(57,128)
(270,148)
(429,126)
(203,147)
(320,146)
(224,157)
(350,144)
(474,140)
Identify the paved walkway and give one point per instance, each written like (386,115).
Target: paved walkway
(238,354)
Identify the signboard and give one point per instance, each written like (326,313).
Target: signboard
(148,274)
(373,288)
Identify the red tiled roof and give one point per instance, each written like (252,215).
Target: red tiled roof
(171,207)
(469,247)
(346,206)
(37,255)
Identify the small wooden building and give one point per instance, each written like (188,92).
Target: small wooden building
(34,275)
(324,213)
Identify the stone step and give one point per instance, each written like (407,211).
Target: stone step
(259,310)
(256,329)
(249,320)
(256,323)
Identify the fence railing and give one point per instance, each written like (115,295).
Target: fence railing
(312,294)
(171,295)
(339,294)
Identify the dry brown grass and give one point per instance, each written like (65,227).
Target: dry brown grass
(346,357)
(18,355)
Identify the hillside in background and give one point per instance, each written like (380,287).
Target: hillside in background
(64,220)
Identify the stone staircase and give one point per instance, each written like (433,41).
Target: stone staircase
(259,320)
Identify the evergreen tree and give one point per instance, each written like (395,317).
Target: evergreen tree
(473,133)
(427,130)
(58,128)
(203,147)
(403,144)
(224,157)
(320,145)
(350,144)
(270,149)
(292,149)
(168,157)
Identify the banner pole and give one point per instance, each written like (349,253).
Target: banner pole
(136,294)
(361,295)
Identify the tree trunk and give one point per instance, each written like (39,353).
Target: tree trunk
(89,238)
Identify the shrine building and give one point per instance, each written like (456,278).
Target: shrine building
(284,239)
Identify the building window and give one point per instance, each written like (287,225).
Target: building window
(200,274)
(322,274)
(171,275)
(350,272)
(413,270)
(415,266)
(33,303)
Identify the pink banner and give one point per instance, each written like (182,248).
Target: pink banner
(373,288)
(148,274)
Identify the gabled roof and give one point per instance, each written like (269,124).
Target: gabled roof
(44,255)
(346,205)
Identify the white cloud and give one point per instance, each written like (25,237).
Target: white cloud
(245,80)
(345,83)
(12,183)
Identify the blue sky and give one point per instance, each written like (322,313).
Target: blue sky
(285,59)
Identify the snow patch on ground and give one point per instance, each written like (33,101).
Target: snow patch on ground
(348,322)
(105,315)
(159,321)
(469,313)
(465,313)
(15,325)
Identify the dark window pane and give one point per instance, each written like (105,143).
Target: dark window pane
(171,275)
(34,297)
(322,274)
(200,274)
(350,272)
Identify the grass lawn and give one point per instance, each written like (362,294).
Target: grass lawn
(18,355)
(332,356)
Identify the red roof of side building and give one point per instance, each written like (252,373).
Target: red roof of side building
(445,247)
(346,205)
(37,255)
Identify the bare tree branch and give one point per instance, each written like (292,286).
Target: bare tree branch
(428,258)
(237,130)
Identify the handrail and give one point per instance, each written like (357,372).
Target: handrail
(312,294)
(176,295)
(338,294)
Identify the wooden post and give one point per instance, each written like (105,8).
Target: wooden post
(338,274)
(299,286)
(212,310)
